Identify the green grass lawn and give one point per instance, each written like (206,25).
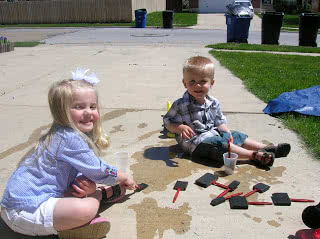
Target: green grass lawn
(153,19)
(259,47)
(179,19)
(289,21)
(26,44)
(269,75)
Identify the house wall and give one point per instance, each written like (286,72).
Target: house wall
(65,11)
(150,5)
(174,5)
(256,3)
(315,5)
(193,3)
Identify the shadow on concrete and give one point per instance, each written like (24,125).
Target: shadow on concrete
(163,154)
(7,233)
(167,154)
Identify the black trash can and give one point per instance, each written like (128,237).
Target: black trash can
(140,17)
(237,28)
(167,17)
(271,25)
(308,29)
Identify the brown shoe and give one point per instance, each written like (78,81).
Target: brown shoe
(281,150)
(118,192)
(264,161)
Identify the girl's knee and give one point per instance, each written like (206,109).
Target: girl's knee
(86,211)
(80,210)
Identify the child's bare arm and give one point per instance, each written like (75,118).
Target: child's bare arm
(183,130)
(224,127)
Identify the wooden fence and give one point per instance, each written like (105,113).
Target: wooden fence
(150,5)
(71,11)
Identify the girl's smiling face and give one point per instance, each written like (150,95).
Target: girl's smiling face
(84,112)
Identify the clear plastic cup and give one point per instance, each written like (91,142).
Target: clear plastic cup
(122,161)
(229,162)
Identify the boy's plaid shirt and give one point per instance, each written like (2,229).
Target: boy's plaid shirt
(203,119)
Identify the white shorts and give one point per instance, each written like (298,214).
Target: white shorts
(39,223)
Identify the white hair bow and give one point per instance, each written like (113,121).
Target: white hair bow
(80,74)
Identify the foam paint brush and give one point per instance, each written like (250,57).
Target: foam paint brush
(219,200)
(259,187)
(240,202)
(179,186)
(141,186)
(231,187)
(209,179)
(282,199)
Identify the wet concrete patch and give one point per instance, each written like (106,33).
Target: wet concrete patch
(142,125)
(33,138)
(273,223)
(116,113)
(257,219)
(157,169)
(148,135)
(152,219)
(116,128)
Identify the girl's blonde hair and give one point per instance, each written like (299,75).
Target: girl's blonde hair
(201,63)
(60,101)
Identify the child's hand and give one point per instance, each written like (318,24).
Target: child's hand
(129,184)
(126,181)
(186,132)
(86,187)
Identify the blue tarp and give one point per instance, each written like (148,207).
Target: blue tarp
(306,101)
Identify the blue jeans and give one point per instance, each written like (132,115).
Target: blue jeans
(213,148)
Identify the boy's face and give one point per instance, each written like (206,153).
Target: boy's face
(197,84)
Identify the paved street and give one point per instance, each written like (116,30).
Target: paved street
(139,36)
(211,29)
(139,74)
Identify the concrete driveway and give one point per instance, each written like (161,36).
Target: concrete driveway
(136,82)
(217,21)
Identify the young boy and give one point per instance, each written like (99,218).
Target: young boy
(201,127)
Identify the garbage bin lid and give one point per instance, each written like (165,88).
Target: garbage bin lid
(307,14)
(141,10)
(239,10)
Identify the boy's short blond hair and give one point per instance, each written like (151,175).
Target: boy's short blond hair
(199,63)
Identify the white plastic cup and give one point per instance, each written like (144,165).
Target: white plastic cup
(122,161)
(229,162)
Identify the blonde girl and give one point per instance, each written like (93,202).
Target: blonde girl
(53,190)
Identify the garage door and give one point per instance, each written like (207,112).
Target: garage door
(213,6)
